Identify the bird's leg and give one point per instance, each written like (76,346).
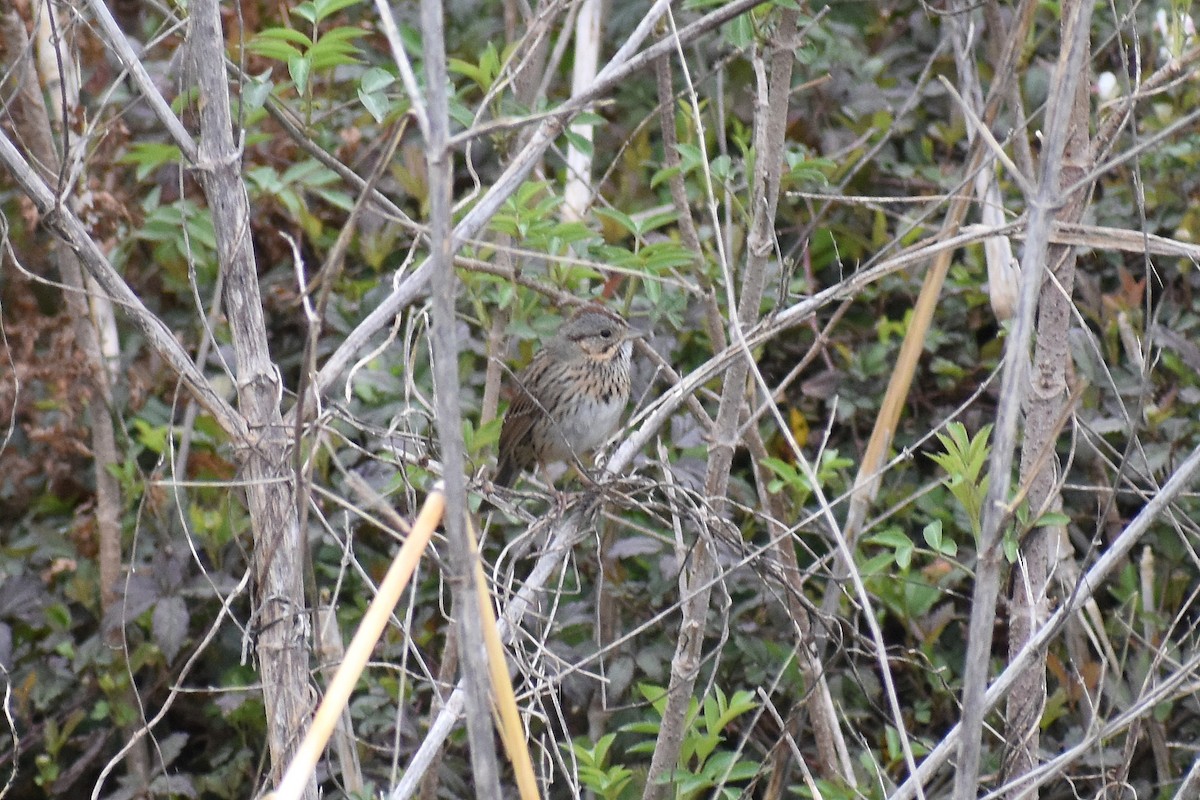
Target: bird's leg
(593,486)
(581,469)
(489,495)
(586,478)
(558,497)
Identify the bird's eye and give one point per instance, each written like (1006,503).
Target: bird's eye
(606,333)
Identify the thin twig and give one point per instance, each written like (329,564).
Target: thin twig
(1072,59)
(464,556)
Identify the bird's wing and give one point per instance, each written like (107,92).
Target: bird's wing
(516,451)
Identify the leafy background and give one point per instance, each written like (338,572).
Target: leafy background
(875,146)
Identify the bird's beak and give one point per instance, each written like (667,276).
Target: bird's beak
(636,335)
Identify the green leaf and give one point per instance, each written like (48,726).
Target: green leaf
(721,168)
(664,174)
(1011,548)
(489,62)
(285,35)
(376,104)
(570,232)
(621,218)
(327,8)
(152,437)
(484,437)
(344,34)
(787,473)
(376,80)
(311,173)
(306,12)
(334,50)
(300,68)
(280,51)
(660,257)
(739,32)
(1052,518)
(279,43)
(933,535)
(337,199)
(149,156)
(588,118)
(256,91)
(484,73)
(937,540)
(657,220)
(690,156)
(899,542)
(579,142)
(465,68)
(59,616)
(964,460)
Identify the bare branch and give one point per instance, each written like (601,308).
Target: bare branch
(1113,557)
(465,556)
(623,64)
(129,60)
(279,545)
(1071,65)
(63,222)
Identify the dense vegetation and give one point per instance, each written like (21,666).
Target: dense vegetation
(769,201)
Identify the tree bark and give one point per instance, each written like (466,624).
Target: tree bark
(1072,61)
(281,619)
(31,120)
(1048,391)
(695,582)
